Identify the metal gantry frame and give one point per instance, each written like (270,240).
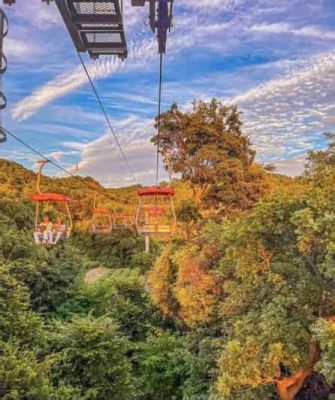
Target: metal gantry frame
(95,26)
(160,19)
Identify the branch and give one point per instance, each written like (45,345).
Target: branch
(289,387)
(326,285)
(265,256)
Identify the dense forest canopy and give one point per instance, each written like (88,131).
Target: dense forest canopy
(240,305)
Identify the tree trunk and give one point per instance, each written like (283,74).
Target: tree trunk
(289,387)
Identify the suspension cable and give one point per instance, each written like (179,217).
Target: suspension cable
(31,148)
(55,164)
(106,117)
(159,116)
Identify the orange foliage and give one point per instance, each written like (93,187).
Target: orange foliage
(195,291)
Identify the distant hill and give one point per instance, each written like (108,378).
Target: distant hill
(18,182)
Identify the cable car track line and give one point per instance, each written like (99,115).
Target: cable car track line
(39,153)
(159,114)
(107,118)
(31,148)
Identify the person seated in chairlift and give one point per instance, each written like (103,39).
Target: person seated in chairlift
(59,230)
(43,231)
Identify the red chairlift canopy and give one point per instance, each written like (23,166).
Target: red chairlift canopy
(102,211)
(155,191)
(54,197)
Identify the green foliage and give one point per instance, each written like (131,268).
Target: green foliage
(24,376)
(200,358)
(162,366)
(92,356)
(223,311)
(16,319)
(324,332)
(188,215)
(115,250)
(188,212)
(208,148)
(320,164)
(120,295)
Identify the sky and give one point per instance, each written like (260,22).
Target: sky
(275,59)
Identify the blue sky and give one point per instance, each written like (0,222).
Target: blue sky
(274,58)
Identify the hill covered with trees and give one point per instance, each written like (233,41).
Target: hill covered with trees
(240,305)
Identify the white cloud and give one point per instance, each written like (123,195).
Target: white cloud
(67,83)
(56,155)
(142,53)
(20,49)
(287,115)
(285,28)
(224,5)
(284,116)
(101,157)
(291,166)
(37,14)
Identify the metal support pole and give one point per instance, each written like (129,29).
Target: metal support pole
(147,237)
(160,19)
(147,243)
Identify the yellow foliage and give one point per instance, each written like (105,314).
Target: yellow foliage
(159,282)
(195,289)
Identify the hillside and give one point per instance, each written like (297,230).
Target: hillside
(18,183)
(238,305)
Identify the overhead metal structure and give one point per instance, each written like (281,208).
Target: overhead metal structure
(160,19)
(3,68)
(95,26)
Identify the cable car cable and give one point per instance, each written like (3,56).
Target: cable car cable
(31,148)
(159,114)
(106,117)
(39,153)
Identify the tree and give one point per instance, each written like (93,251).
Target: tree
(160,279)
(195,288)
(92,355)
(271,300)
(16,319)
(324,332)
(188,215)
(321,164)
(208,148)
(121,295)
(23,375)
(162,366)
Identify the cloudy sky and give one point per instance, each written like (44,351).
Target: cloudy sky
(274,58)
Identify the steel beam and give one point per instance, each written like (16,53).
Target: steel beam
(95,26)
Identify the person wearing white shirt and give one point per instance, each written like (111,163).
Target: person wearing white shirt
(43,231)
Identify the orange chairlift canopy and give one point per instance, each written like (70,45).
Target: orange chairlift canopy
(155,191)
(53,197)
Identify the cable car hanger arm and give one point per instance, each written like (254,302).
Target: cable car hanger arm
(160,19)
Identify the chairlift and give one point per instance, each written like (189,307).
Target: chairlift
(46,232)
(156,216)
